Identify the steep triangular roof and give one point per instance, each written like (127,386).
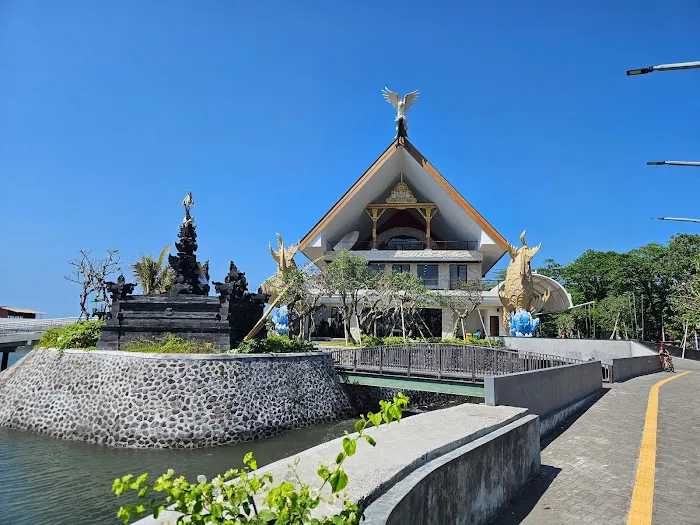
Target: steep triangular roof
(384,158)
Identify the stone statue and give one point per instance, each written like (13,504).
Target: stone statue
(191,277)
(517,292)
(401,106)
(284,257)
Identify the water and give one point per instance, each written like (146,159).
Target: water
(57,482)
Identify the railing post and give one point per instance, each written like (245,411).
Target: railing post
(354,359)
(439,351)
(473,364)
(381,358)
(409,360)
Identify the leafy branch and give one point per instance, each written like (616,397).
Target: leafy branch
(230,499)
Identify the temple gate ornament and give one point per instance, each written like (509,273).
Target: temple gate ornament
(401,198)
(517,293)
(401,106)
(284,257)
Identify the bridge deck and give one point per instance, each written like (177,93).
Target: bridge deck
(461,388)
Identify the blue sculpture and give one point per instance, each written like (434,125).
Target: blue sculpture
(281,320)
(522,324)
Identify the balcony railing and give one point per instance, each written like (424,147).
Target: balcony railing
(415,245)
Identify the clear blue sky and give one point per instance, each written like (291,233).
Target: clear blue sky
(111,111)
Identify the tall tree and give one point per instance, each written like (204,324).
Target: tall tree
(407,293)
(462,301)
(153,275)
(346,277)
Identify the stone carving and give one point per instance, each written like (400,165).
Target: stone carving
(190,276)
(284,257)
(239,308)
(186,310)
(401,106)
(517,292)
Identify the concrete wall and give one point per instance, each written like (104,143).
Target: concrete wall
(603,350)
(137,400)
(544,391)
(467,486)
(626,368)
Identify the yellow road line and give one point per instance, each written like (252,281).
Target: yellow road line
(643,495)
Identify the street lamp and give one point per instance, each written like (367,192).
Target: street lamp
(674,219)
(663,67)
(673,163)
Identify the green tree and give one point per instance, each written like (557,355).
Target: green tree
(346,277)
(462,301)
(153,275)
(406,293)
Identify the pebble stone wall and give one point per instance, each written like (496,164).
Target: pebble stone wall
(131,400)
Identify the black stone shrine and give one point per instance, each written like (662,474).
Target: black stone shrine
(186,309)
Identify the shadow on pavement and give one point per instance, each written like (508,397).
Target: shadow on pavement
(564,425)
(521,506)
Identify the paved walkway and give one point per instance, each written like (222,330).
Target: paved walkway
(588,470)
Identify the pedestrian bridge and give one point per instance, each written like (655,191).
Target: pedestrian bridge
(15,333)
(436,367)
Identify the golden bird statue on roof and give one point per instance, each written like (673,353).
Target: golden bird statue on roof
(401,106)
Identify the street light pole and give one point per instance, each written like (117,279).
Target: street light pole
(674,219)
(663,67)
(673,163)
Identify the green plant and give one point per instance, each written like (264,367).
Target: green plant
(372,340)
(233,498)
(82,334)
(153,275)
(274,344)
(395,340)
(170,344)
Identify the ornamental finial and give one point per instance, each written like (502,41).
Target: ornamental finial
(188,202)
(401,106)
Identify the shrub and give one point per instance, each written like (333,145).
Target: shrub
(170,344)
(396,340)
(83,334)
(372,340)
(231,499)
(274,344)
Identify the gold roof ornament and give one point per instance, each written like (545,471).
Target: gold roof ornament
(401,194)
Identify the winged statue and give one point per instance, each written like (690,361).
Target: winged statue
(401,106)
(188,202)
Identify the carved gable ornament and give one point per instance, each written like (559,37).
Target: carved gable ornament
(401,194)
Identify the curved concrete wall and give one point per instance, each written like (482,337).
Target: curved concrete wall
(134,400)
(604,350)
(468,485)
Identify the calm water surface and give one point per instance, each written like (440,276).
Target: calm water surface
(49,481)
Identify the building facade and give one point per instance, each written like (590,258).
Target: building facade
(402,215)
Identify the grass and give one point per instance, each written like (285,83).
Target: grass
(170,344)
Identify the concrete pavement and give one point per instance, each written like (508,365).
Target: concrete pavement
(588,469)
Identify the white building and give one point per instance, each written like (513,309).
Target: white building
(403,215)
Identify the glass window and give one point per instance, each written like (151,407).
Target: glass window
(397,268)
(404,242)
(428,273)
(458,272)
(376,268)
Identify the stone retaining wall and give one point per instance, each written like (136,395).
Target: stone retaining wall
(138,400)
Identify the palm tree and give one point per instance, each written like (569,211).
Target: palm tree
(153,275)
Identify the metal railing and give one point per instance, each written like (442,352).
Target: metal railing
(448,361)
(415,245)
(15,326)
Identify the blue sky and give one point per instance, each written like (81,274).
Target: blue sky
(111,111)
